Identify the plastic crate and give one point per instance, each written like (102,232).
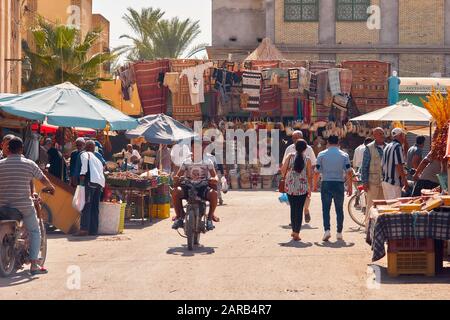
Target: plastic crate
(412,262)
(411,245)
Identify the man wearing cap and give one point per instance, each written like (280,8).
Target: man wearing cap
(394,174)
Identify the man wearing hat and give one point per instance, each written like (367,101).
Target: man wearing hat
(394,174)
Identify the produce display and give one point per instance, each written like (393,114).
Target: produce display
(439,108)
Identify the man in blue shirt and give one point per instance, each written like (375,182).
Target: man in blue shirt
(334,165)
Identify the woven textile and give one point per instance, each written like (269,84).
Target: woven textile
(294,79)
(334,81)
(305,80)
(152,93)
(345,78)
(252,86)
(183,110)
(322,87)
(270,100)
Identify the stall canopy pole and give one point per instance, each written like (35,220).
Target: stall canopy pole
(160,157)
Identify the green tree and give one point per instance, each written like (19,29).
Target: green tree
(60,54)
(154,37)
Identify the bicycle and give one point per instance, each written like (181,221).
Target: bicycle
(357,205)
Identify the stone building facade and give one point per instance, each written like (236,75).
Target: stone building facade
(414,35)
(10,47)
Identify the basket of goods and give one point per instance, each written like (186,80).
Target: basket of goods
(111,166)
(120,179)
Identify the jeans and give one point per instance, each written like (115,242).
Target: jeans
(89,216)
(297,204)
(333,190)
(31,222)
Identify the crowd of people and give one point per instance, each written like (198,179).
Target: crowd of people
(387,170)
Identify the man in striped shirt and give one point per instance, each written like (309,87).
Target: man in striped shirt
(394,174)
(16,177)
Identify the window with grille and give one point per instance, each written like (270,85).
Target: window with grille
(301,10)
(352,10)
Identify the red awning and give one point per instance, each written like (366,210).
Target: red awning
(48,129)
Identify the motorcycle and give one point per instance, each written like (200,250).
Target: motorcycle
(196,217)
(15,241)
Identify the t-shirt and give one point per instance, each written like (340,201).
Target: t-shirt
(309,153)
(413,151)
(392,156)
(333,163)
(16,173)
(197,172)
(196,82)
(358,157)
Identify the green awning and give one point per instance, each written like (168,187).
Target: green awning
(413,98)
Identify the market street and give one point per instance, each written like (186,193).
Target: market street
(249,256)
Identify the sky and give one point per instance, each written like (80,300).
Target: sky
(113,10)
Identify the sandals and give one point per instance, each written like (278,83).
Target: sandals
(215,219)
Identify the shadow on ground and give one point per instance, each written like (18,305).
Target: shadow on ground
(296,244)
(335,245)
(184,252)
(17,279)
(441,277)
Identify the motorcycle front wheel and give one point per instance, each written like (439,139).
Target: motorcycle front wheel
(190,228)
(7,255)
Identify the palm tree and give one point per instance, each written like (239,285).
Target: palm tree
(143,24)
(60,55)
(173,37)
(155,37)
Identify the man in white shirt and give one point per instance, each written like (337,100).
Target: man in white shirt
(309,153)
(93,179)
(359,154)
(131,152)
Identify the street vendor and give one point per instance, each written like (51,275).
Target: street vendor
(131,151)
(426,175)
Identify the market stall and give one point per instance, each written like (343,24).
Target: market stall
(417,229)
(264,91)
(161,130)
(64,106)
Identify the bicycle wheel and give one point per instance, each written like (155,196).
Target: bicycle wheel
(357,208)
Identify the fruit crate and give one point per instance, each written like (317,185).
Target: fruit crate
(411,244)
(411,263)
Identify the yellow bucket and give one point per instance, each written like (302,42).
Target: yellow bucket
(164,211)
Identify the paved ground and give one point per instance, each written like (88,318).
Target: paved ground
(249,256)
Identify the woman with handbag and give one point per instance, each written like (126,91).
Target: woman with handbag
(297,176)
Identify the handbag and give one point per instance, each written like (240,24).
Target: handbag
(282,183)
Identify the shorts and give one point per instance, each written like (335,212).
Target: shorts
(202,192)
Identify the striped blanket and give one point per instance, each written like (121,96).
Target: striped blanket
(251,85)
(152,93)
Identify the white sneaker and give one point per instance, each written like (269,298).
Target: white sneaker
(326,236)
(339,237)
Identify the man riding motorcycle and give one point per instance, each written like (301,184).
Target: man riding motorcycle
(196,172)
(16,189)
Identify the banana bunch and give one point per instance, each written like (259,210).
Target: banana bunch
(439,107)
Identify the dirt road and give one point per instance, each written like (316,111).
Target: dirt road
(248,256)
